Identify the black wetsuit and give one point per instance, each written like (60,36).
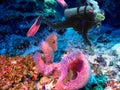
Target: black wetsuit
(81,23)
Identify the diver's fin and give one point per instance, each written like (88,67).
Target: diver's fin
(62,3)
(34,28)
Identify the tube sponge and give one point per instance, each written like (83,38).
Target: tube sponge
(42,66)
(42,59)
(39,62)
(47,51)
(52,41)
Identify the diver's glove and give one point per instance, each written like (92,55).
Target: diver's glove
(91,48)
(40,18)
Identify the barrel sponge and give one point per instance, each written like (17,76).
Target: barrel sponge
(75,72)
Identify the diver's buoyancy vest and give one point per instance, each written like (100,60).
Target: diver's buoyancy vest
(78,10)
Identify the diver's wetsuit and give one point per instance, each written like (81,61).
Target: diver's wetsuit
(80,23)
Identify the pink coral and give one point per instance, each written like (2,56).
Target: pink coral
(72,72)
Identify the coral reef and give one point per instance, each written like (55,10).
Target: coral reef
(20,73)
(50,6)
(112,85)
(105,63)
(116,49)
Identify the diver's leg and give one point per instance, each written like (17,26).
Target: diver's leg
(60,25)
(83,30)
(85,36)
(86,28)
(78,29)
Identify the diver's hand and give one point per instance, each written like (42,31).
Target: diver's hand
(40,18)
(91,48)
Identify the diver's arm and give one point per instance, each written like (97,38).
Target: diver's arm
(85,36)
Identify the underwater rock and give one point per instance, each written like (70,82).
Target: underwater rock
(96,82)
(116,48)
(50,6)
(16,45)
(101,60)
(103,39)
(4,31)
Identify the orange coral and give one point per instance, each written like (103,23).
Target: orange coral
(13,69)
(113,84)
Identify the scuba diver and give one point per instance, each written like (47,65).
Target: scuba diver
(81,19)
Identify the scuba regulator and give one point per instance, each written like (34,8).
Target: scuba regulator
(99,18)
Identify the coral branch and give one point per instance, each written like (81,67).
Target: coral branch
(48,52)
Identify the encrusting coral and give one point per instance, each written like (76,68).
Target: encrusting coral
(17,73)
(71,73)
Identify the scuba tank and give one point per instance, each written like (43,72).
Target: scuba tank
(78,10)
